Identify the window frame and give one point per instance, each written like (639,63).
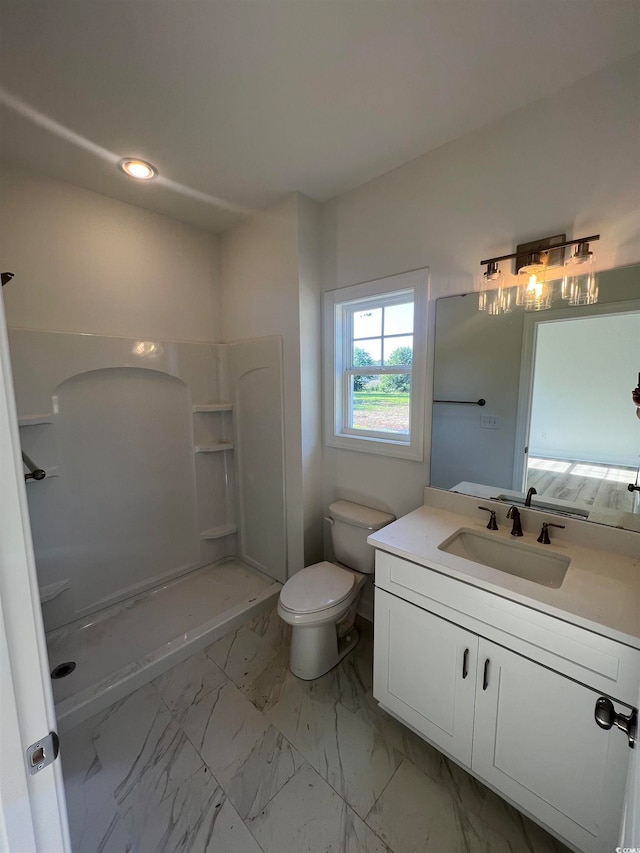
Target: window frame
(339,307)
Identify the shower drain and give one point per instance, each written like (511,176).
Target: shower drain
(63,669)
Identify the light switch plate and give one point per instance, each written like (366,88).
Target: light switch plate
(489,422)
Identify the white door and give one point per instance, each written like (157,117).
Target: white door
(536,741)
(424,672)
(33,813)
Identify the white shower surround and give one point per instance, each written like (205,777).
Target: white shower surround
(178,506)
(62,382)
(209,495)
(163,459)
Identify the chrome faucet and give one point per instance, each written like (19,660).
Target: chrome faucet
(530,494)
(514,513)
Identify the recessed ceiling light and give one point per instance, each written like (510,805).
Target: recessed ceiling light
(139,169)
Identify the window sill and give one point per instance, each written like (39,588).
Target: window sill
(378,446)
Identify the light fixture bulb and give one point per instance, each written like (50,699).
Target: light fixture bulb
(139,169)
(506,300)
(490,283)
(534,293)
(580,282)
(493,296)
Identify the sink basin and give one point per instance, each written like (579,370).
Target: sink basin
(514,558)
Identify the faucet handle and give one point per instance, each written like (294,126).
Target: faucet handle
(544,533)
(493,524)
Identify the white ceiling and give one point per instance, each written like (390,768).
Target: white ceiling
(239,101)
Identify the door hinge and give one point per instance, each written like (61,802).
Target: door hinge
(42,753)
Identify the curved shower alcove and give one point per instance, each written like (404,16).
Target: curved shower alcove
(127,513)
(141,561)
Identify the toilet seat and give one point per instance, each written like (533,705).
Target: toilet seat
(316,588)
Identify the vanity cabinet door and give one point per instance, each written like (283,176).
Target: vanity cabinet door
(424,673)
(537,742)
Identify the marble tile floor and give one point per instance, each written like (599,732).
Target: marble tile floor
(229,753)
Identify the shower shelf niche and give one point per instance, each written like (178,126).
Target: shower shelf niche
(211,435)
(215,472)
(38,441)
(213,407)
(52,590)
(219,532)
(34,420)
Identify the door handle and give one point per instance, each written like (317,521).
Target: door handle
(485,676)
(465,661)
(606,717)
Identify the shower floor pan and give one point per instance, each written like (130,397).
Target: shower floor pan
(124,646)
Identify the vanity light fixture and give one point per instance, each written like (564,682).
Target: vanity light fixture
(139,169)
(535,288)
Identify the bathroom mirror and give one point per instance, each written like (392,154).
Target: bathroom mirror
(558,414)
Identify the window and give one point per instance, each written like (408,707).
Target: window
(375,365)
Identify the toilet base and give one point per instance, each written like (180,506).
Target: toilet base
(316,650)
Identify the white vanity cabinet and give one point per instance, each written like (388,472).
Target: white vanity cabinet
(425,673)
(445,665)
(537,743)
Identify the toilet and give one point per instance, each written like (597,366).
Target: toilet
(320,602)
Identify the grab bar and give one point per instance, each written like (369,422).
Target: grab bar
(480,402)
(35,472)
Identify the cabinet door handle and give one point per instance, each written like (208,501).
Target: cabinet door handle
(606,717)
(465,661)
(485,677)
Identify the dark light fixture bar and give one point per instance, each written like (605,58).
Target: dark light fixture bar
(550,248)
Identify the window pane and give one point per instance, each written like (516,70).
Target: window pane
(398,350)
(367,324)
(398,319)
(380,403)
(367,353)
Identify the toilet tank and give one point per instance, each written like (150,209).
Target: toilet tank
(350,525)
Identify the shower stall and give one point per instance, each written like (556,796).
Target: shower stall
(160,523)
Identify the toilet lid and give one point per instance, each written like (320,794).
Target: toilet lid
(316,588)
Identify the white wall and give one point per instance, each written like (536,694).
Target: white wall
(568,163)
(86,263)
(269,287)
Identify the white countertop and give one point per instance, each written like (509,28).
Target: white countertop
(600,592)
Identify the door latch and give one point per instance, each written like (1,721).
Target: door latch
(606,717)
(42,753)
